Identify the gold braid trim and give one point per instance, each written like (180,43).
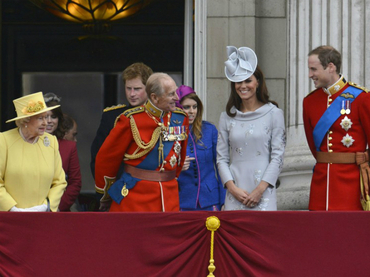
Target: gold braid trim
(145,147)
(160,150)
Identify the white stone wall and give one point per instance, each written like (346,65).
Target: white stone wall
(228,23)
(260,25)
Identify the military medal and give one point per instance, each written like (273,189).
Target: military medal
(177,148)
(176,133)
(347,140)
(165,129)
(165,135)
(348,110)
(346,123)
(173,160)
(342,111)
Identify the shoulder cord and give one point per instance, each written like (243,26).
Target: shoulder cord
(145,147)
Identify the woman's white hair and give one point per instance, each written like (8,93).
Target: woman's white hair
(21,122)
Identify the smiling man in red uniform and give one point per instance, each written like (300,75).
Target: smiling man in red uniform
(337,124)
(151,142)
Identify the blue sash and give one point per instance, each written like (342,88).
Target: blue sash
(332,114)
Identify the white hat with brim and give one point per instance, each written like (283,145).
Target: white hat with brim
(30,105)
(241,63)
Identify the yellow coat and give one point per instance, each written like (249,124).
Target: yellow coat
(30,173)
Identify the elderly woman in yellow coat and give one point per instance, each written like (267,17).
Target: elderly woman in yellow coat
(31,173)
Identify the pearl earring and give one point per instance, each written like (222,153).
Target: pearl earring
(25,126)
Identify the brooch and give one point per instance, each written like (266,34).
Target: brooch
(46,141)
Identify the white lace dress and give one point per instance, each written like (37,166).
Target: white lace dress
(251,148)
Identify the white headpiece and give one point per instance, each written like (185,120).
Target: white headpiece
(241,63)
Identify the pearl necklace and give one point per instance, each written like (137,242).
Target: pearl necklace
(34,141)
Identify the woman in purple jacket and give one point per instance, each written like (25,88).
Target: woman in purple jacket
(200,187)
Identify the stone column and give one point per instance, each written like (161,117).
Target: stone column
(227,23)
(342,24)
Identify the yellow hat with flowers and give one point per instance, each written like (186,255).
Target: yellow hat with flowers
(30,105)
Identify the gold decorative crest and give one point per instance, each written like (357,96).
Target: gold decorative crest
(124,191)
(347,95)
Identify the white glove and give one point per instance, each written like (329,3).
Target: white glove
(15,209)
(40,208)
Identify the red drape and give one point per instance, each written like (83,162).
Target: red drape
(178,244)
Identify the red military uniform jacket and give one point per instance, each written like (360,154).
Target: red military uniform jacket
(337,186)
(144,138)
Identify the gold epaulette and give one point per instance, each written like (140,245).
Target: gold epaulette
(115,107)
(178,110)
(357,86)
(132,111)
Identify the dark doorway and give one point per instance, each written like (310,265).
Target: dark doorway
(41,52)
